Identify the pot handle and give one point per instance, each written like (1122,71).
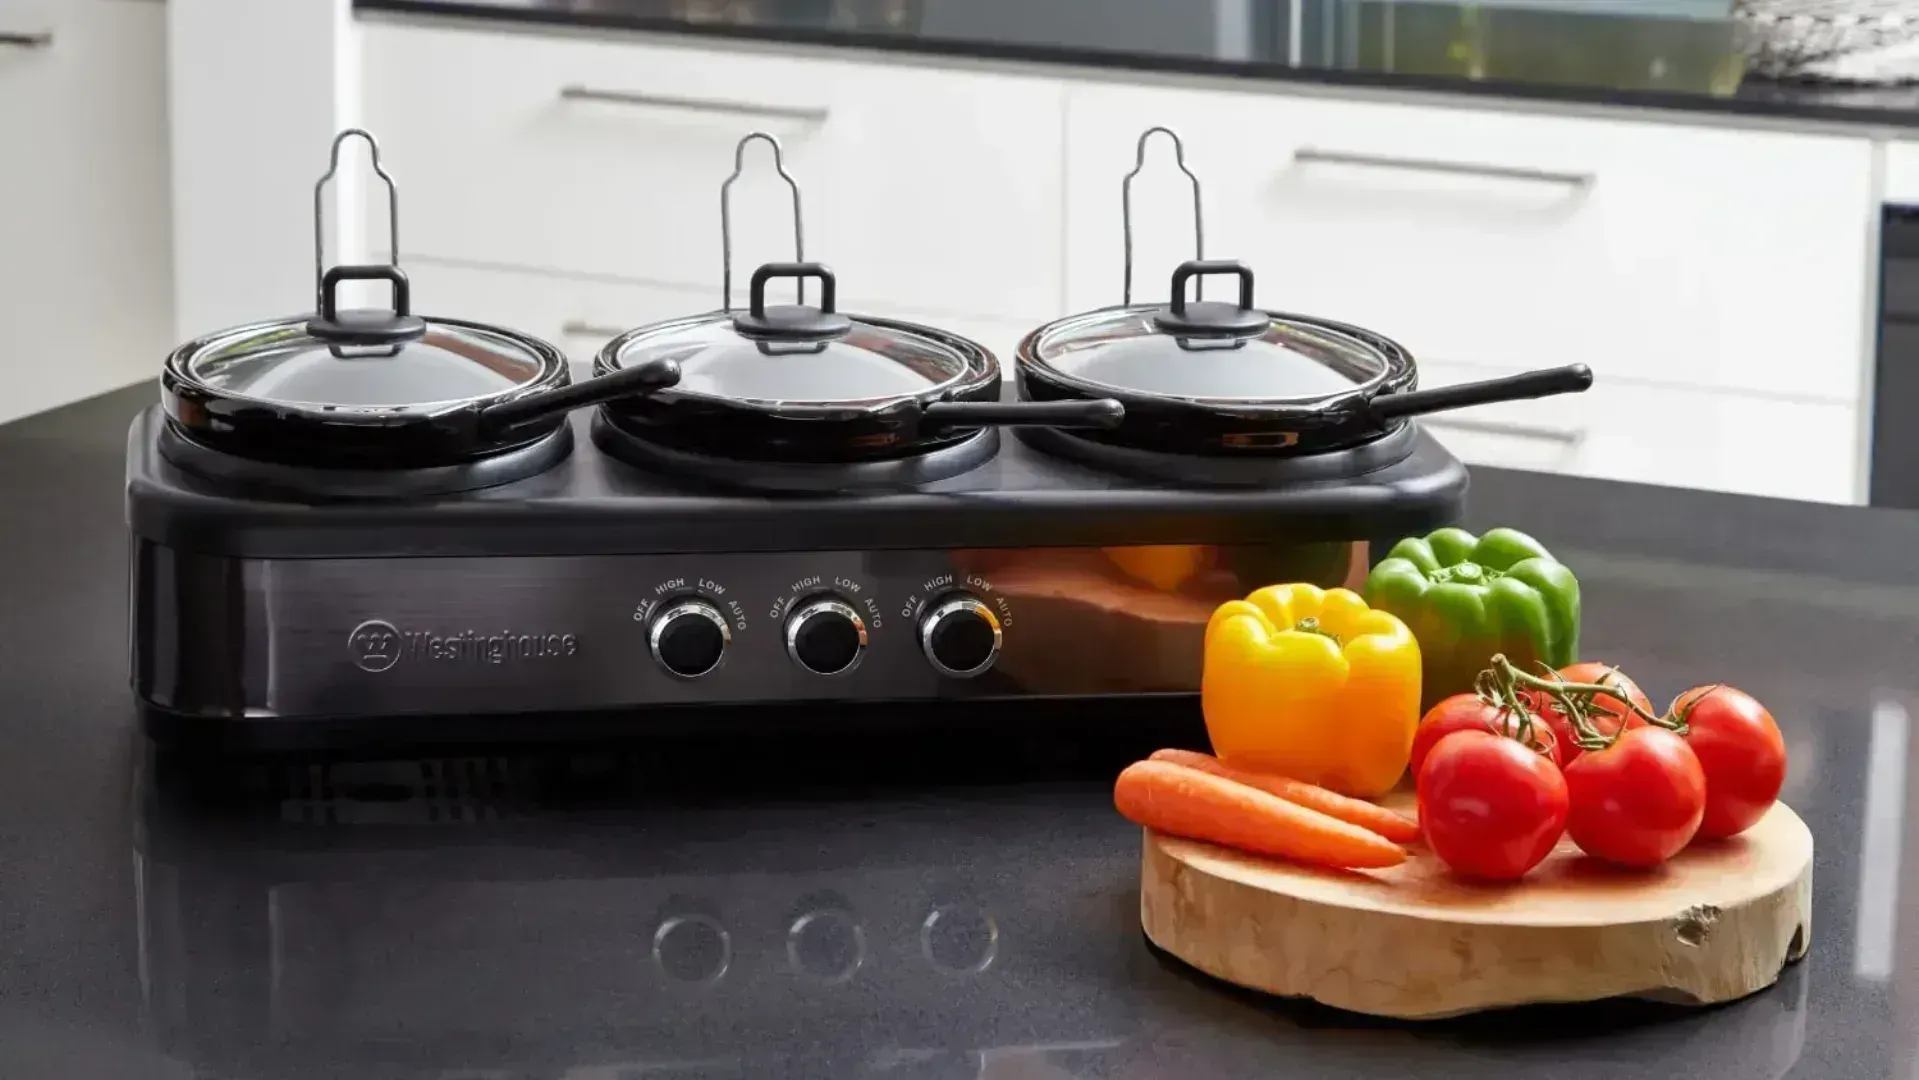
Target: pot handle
(1571,379)
(638,381)
(798,322)
(1097,413)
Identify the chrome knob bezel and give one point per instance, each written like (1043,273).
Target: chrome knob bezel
(814,609)
(959,605)
(687,609)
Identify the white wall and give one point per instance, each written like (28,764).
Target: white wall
(258,89)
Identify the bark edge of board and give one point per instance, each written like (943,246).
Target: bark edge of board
(1717,924)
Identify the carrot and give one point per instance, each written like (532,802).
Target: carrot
(1395,827)
(1186,802)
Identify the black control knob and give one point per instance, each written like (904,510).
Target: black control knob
(826,636)
(689,638)
(960,636)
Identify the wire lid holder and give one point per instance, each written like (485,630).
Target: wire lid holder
(726,215)
(1126,207)
(330,323)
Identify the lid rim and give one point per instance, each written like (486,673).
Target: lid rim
(1398,367)
(177,374)
(980,367)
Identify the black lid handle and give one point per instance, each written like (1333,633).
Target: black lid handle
(1210,319)
(795,323)
(1195,268)
(1571,379)
(366,327)
(756,289)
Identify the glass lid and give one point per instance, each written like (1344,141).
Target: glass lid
(286,364)
(1225,351)
(1128,350)
(385,359)
(862,361)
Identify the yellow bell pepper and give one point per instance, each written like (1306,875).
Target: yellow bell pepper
(1312,684)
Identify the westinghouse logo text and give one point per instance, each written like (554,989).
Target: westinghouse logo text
(377,645)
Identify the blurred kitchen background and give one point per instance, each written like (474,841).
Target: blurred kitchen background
(1708,201)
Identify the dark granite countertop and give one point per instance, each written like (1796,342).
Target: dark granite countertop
(499,915)
(1611,57)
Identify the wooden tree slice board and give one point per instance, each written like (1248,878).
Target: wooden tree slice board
(1717,923)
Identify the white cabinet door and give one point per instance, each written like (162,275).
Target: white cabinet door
(575,315)
(1691,257)
(1902,172)
(85,261)
(1622,430)
(578,315)
(931,189)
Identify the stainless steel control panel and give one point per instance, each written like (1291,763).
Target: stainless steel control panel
(389,636)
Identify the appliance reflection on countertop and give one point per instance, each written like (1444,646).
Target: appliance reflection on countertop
(366,913)
(553,914)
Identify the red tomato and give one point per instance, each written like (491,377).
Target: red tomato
(1638,801)
(1490,807)
(1466,712)
(1742,752)
(1608,712)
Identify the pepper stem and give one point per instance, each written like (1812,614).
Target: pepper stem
(1465,573)
(1310,625)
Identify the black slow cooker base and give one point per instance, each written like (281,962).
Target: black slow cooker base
(270,479)
(742,474)
(1222,471)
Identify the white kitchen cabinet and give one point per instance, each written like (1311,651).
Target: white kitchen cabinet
(1001,337)
(578,315)
(86,298)
(1693,257)
(1623,429)
(1902,171)
(929,189)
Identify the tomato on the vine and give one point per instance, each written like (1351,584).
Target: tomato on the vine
(1490,807)
(1742,752)
(1637,802)
(1608,713)
(1468,712)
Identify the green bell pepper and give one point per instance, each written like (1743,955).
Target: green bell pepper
(1467,598)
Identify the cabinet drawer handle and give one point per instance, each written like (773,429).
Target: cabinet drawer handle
(1313,155)
(578,328)
(1537,432)
(26,41)
(706,105)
